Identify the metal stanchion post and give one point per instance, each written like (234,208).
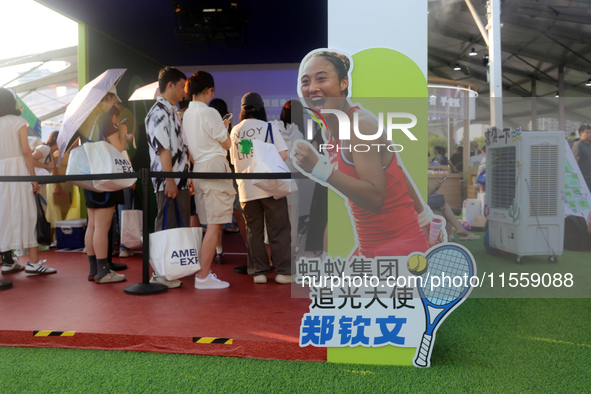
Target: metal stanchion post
(146,288)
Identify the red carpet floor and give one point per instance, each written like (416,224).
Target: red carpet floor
(261,321)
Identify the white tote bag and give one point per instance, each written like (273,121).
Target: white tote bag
(99,158)
(78,164)
(131,228)
(175,253)
(266,158)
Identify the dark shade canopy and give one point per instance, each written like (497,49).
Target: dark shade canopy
(277,31)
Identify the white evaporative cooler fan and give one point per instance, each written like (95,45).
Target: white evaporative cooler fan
(525,192)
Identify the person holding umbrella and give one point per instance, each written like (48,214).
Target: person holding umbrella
(80,119)
(100,205)
(88,118)
(19,213)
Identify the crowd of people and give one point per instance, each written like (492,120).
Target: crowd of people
(199,139)
(196,139)
(389,216)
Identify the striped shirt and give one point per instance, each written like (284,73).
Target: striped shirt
(164,130)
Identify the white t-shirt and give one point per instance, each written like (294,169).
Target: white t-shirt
(45,159)
(204,131)
(290,134)
(251,129)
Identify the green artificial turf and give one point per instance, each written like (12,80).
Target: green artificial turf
(494,345)
(577,264)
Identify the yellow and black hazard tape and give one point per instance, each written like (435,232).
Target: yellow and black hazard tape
(49,333)
(223,341)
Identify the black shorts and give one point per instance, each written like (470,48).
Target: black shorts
(95,200)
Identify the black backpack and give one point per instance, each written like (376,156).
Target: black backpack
(576,236)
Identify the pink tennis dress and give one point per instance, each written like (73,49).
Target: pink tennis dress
(394,230)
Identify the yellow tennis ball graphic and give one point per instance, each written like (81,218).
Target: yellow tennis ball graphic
(417,264)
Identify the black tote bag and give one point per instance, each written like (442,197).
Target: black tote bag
(43,226)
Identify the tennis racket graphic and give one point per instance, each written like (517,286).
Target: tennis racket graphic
(452,261)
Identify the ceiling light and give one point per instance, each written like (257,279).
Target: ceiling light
(473,52)
(457,67)
(588,83)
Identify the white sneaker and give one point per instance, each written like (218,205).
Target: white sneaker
(283,279)
(260,279)
(211,282)
(11,268)
(39,269)
(171,284)
(126,253)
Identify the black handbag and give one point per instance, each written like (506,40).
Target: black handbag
(43,226)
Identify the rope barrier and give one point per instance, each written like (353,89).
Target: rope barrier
(145,175)
(45,179)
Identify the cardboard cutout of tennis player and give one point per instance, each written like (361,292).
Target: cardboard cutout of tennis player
(390,221)
(390,217)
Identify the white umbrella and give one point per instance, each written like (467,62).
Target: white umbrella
(84,103)
(147,92)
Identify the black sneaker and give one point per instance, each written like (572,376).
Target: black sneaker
(113,266)
(241,269)
(219,259)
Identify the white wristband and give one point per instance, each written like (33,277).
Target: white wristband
(424,218)
(322,170)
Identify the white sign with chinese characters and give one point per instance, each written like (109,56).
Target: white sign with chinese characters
(360,302)
(374,302)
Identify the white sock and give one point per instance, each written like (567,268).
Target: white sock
(199,279)
(219,250)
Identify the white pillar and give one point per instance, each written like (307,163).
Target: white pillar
(495,62)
